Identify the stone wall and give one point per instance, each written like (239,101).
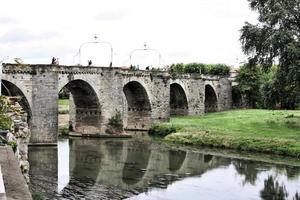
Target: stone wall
(19,134)
(98,93)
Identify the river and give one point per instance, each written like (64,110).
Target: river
(81,168)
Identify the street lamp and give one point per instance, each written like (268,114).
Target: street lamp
(96,42)
(1,61)
(146,49)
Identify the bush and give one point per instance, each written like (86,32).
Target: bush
(209,69)
(116,121)
(162,130)
(5,122)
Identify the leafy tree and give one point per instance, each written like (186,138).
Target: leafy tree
(276,37)
(249,79)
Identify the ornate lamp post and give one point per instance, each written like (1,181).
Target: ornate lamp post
(96,42)
(145,49)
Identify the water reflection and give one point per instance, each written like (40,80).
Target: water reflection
(117,169)
(135,166)
(43,170)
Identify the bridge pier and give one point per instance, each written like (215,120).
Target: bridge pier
(44,119)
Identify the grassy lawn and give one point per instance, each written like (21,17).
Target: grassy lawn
(266,123)
(270,131)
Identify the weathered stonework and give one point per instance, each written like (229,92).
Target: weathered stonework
(20,135)
(98,93)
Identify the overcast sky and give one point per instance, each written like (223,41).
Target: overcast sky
(181,30)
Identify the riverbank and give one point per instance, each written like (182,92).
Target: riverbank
(266,131)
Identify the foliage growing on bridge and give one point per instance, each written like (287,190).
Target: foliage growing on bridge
(199,68)
(115,124)
(5,106)
(275,39)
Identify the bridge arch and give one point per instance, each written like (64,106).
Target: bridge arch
(138,106)
(11,89)
(178,100)
(211,100)
(85,109)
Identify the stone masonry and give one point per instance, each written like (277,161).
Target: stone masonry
(98,93)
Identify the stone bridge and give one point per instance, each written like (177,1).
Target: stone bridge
(98,93)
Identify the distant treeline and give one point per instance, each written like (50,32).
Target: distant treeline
(208,69)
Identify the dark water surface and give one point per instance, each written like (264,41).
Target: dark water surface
(119,169)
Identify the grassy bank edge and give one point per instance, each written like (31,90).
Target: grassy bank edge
(286,147)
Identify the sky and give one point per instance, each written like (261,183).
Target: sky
(176,31)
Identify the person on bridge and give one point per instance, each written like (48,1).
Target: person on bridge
(90,62)
(53,62)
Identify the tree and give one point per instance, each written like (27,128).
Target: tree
(276,38)
(249,84)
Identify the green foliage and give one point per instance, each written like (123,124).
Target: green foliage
(116,121)
(249,82)
(190,68)
(13,145)
(5,122)
(162,130)
(4,104)
(276,39)
(37,196)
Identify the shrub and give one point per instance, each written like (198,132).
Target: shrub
(116,121)
(162,130)
(209,69)
(5,122)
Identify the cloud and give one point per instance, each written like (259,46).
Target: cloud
(110,15)
(7,20)
(20,35)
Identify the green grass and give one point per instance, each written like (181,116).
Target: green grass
(63,106)
(271,131)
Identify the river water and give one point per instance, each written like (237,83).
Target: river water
(142,169)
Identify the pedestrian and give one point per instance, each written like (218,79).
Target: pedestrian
(53,61)
(90,62)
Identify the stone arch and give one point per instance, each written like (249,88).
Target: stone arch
(211,100)
(10,89)
(138,115)
(178,100)
(85,109)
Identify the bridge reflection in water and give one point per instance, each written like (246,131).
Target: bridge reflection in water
(87,168)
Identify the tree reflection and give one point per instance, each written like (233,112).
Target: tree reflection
(273,191)
(248,169)
(297,196)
